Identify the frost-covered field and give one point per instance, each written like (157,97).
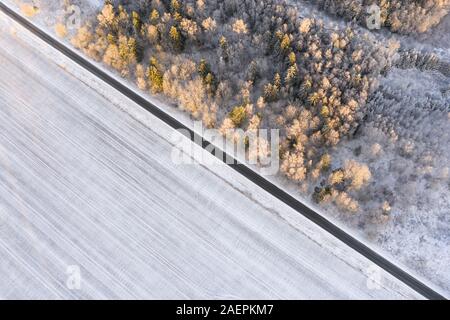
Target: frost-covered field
(85,184)
(403,126)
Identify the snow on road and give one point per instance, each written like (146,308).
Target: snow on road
(87,187)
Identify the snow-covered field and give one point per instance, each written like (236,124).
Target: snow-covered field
(405,141)
(85,185)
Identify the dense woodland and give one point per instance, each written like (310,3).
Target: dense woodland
(402,16)
(251,64)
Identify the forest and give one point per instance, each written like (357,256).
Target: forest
(249,65)
(264,64)
(402,16)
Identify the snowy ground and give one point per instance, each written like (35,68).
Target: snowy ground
(416,104)
(85,184)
